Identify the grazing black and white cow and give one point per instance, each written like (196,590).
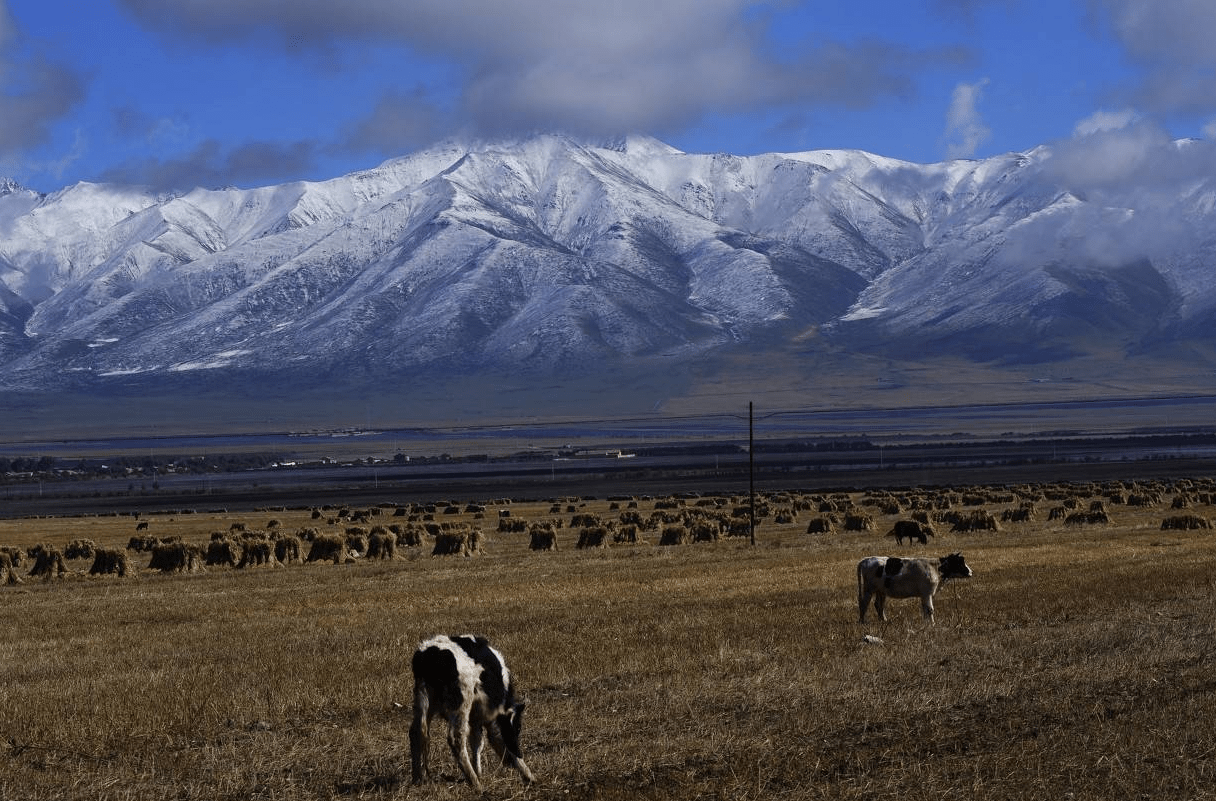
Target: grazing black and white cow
(881,576)
(466,681)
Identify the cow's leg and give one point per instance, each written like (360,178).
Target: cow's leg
(420,737)
(863,601)
(458,741)
(926,606)
(477,742)
(880,606)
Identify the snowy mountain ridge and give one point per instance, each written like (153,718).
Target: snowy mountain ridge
(547,255)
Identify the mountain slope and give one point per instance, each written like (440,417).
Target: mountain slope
(551,257)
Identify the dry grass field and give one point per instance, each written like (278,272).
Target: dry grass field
(1076,664)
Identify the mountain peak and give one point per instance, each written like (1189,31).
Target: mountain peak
(546,255)
(640,145)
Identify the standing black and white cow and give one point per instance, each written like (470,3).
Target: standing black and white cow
(466,681)
(882,576)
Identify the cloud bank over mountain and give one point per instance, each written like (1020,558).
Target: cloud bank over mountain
(594,69)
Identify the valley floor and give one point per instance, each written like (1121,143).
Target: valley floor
(1072,665)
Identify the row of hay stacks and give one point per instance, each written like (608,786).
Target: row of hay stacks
(239,548)
(387,531)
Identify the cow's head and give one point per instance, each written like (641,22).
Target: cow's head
(953,566)
(510,723)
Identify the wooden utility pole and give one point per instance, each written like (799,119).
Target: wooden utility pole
(751,469)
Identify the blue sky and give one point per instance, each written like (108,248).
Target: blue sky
(182,93)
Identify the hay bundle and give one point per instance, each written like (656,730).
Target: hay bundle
(1023,514)
(381,544)
(659,519)
(592,537)
(705,531)
(111,561)
(327,548)
(256,552)
(287,549)
(356,542)
(411,536)
(48,562)
(542,537)
(1086,518)
(820,525)
(674,535)
(15,555)
(463,542)
(142,542)
(79,549)
(978,520)
(745,511)
(631,517)
(176,557)
(1185,523)
(512,525)
(858,522)
(739,527)
(220,552)
(1144,499)
(7,574)
(628,535)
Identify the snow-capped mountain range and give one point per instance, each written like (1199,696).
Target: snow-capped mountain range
(550,256)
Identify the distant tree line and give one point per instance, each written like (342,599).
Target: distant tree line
(26,464)
(19,469)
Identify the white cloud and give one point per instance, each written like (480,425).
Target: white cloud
(34,93)
(583,66)
(965,128)
(1101,121)
(1173,43)
(7,30)
(1138,185)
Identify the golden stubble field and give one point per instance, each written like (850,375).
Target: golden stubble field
(1076,664)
